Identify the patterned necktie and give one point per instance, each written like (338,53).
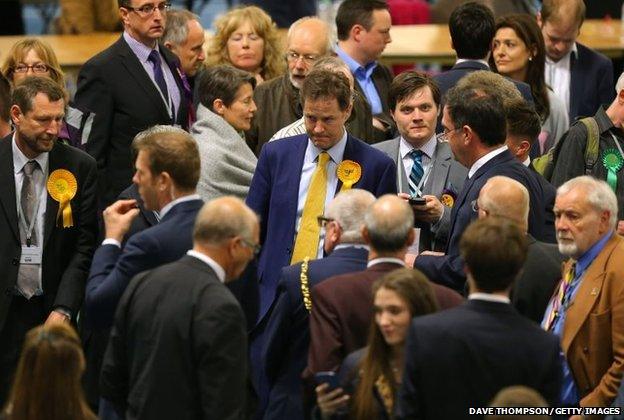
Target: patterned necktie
(28,274)
(159,77)
(561,299)
(306,244)
(417,172)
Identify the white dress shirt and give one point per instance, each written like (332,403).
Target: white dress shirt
(212,263)
(485,159)
(558,76)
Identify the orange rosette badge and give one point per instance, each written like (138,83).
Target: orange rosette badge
(62,187)
(349,172)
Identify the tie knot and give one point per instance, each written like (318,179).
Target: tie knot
(154,57)
(323,158)
(416,154)
(30,167)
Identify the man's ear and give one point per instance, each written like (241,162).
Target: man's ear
(365,234)
(15,112)
(169,45)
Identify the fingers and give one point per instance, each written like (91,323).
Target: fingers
(121,206)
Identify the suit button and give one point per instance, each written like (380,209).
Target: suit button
(15,261)
(585,350)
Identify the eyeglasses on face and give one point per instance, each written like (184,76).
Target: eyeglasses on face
(148,9)
(292,56)
(474,204)
(444,136)
(36,68)
(255,247)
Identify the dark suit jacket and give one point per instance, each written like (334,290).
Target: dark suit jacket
(112,268)
(382,78)
(178,347)
(342,311)
(448,269)
(462,357)
(550,193)
(536,284)
(115,86)
(145,219)
(274,191)
(285,352)
(446,174)
(591,82)
(67,252)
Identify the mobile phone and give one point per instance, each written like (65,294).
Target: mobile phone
(416,201)
(329,378)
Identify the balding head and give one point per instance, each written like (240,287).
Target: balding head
(227,231)
(388,225)
(307,37)
(505,197)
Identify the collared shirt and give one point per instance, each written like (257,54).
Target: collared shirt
(357,246)
(142,52)
(485,159)
(558,76)
(40,177)
(294,129)
(383,260)
(488,297)
(211,263)
(309,165)
(463,60)
(527,162)
(569,392)
(364,76)
(428,150)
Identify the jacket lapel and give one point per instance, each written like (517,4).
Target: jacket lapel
(439,170)
(174,65)
(576,84)
(52,205)
(7,186)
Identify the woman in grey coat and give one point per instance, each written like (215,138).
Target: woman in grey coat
(225,111)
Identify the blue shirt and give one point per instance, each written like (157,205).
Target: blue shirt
(569,392)
(363,75)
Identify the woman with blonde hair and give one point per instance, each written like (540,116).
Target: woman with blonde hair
(47,381)
(31,57)
(247,38)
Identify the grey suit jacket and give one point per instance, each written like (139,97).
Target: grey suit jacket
(447,176)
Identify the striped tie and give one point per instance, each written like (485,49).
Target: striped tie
(417,172)
(561,299)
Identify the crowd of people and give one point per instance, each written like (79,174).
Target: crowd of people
(235,230)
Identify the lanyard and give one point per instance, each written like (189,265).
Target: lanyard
(33,219)
(421,184)
(617,143)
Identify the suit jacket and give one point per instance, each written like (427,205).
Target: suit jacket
(593,334)
(115,86)
(273,195)
(591,82)
(67,251)
(145,219)
(446,174)
(550,193)
(382,78)
(178,347)
(540,275)
(448,269)
(285,352)
(112,267)
(342,311)
(462,357)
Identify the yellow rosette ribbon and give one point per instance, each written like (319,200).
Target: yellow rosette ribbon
(62,187)
(349,172)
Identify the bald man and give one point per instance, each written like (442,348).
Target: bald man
(186,332)
(505,197)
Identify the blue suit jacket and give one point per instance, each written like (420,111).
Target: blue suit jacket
(113,268)
(448,269)
(591,82)
(285,352)
(274,191)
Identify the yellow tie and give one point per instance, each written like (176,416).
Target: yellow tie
(306,244)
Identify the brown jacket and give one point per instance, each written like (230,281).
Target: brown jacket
(86,16)
(593,334)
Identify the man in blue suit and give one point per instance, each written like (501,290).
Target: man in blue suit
(167,171)
(285,351)
(581,77)
(474,125)
(472,29)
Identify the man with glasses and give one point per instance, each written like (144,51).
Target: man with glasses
(474,125)
(132,85)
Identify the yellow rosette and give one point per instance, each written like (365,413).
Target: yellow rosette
(349,172)
(62,187)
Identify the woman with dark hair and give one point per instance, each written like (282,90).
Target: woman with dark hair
(47,381)
(518,52)
(225,111)
(371,376)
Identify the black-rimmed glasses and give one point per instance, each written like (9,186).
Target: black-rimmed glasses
(148,9)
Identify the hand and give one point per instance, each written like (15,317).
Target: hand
(330,402)
(431,211)
(56,317)
(118,217)
(620,227)
(378,124)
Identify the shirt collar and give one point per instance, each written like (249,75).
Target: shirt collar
(139,49)
(336,152)
(428,148)
(385,260)
(179,200)
(527,161)
(463,60)
(485,159)
(353,65)
(211,263)
(20,159)
(357,246)
(489,297)
(565,59)
(590,255)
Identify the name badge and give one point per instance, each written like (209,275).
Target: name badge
(31,255)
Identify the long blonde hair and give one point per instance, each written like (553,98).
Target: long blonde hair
(19,50)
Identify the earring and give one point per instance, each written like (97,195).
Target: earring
(530,58)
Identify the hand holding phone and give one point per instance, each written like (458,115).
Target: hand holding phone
(414,200)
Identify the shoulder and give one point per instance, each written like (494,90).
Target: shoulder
(104,57)
(269,87)
(352,361)
(73,155)
(284,146)
(366,150)
(388,146)
(588,55)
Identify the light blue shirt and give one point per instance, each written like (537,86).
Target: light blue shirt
(310,160)
(364,76)
(142,52)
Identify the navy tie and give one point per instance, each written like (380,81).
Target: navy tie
(417,172)
(159,77)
